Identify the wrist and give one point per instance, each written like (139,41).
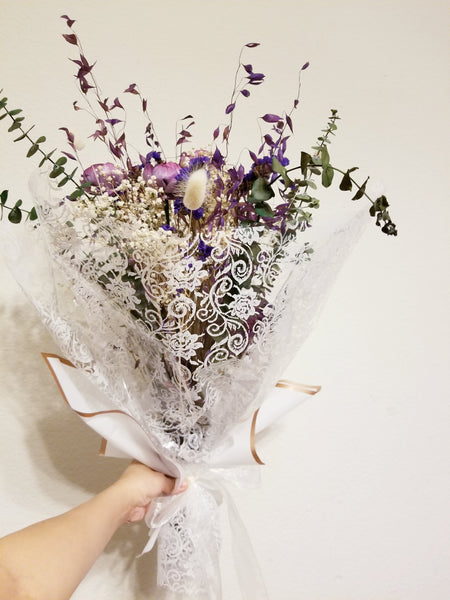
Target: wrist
(120,501)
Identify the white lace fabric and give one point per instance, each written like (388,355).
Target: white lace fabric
(186,344)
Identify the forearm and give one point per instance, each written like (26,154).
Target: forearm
(67,545)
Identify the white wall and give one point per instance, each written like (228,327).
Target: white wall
(355,495)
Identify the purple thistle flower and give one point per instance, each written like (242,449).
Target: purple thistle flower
(199,161)
(204,251)
(153,155)
(183,174)
(198,213)
(177,205)
(167,227)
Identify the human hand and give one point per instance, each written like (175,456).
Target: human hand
(139,485)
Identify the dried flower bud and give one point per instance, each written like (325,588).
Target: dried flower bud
(78,142)
(195,192)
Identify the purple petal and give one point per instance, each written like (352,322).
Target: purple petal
(230,108)
(71,38)
(245,93)
(217,158)
(70,21)
(131,89)
(71,156)
(289,122)
(256,77)
(69,134)
(270,118)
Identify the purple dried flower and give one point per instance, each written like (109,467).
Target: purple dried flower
(198,213)
(217,159)
(204,251)
(199,161)
(104,175)
(165,174)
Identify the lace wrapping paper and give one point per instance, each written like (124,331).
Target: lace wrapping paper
(188,346)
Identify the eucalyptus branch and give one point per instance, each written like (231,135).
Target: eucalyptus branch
(15,212)
(319,164)
(58,169)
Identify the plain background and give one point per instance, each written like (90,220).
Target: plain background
(354,503)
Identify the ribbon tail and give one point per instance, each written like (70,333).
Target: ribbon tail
(248,571)
(152,537)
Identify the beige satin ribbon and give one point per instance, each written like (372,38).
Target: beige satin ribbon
(288,385)
(282,383)
(299,387)
(85,415)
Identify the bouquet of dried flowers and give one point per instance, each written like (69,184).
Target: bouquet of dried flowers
(180,285)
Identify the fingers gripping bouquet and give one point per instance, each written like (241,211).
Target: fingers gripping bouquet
(179,289)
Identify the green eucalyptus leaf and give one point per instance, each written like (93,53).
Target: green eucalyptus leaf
(264,210)
(15,215)
(15,125)
(305,159)
(3,116)
(278,168)
(33,214)
(76,194)
(41,139)
(56,171)
(61,161)
(382,200)
(327,176)
(34,148)
(325,157)
(21,137)
(63,181)
(4,197)
(18,203)
(47,157)
(261,191)
(361,191)
(346,183)
(15,111)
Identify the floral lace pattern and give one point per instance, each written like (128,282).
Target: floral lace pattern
(186,349)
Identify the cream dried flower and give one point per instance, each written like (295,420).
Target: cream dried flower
(195,191)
